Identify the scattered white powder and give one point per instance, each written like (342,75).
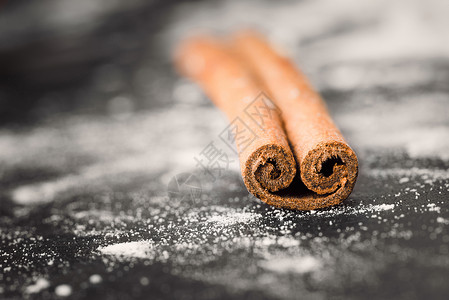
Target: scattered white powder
(233,218)
(396,29)
(382,207)
(425,175)
(412,117)
(40,285)
(353,210)
(101,215)
(412,172)
(140,249)
(48,191)
(287,242)
(264,243)
(114,147)
(63,290)
(434,207)
(298,265)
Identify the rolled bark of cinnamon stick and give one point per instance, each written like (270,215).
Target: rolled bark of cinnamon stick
(328,166)
(267,162)
(232,79)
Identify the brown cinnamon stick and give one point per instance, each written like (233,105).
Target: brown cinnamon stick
(328,166)
(267,161)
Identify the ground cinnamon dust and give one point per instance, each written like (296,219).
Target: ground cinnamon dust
(297,158)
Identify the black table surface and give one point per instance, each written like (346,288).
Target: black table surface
(101,193)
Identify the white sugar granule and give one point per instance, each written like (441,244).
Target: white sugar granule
(140,249)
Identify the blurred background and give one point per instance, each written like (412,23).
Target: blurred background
(62,57)
(95,123)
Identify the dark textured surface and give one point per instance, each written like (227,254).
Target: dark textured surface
(95,124)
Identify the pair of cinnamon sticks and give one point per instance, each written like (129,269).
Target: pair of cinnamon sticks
(299,159)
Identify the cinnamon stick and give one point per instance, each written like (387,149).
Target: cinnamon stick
(267,161)
(327,165)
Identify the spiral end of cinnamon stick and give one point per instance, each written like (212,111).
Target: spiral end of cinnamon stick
(329,167)
(269,169)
